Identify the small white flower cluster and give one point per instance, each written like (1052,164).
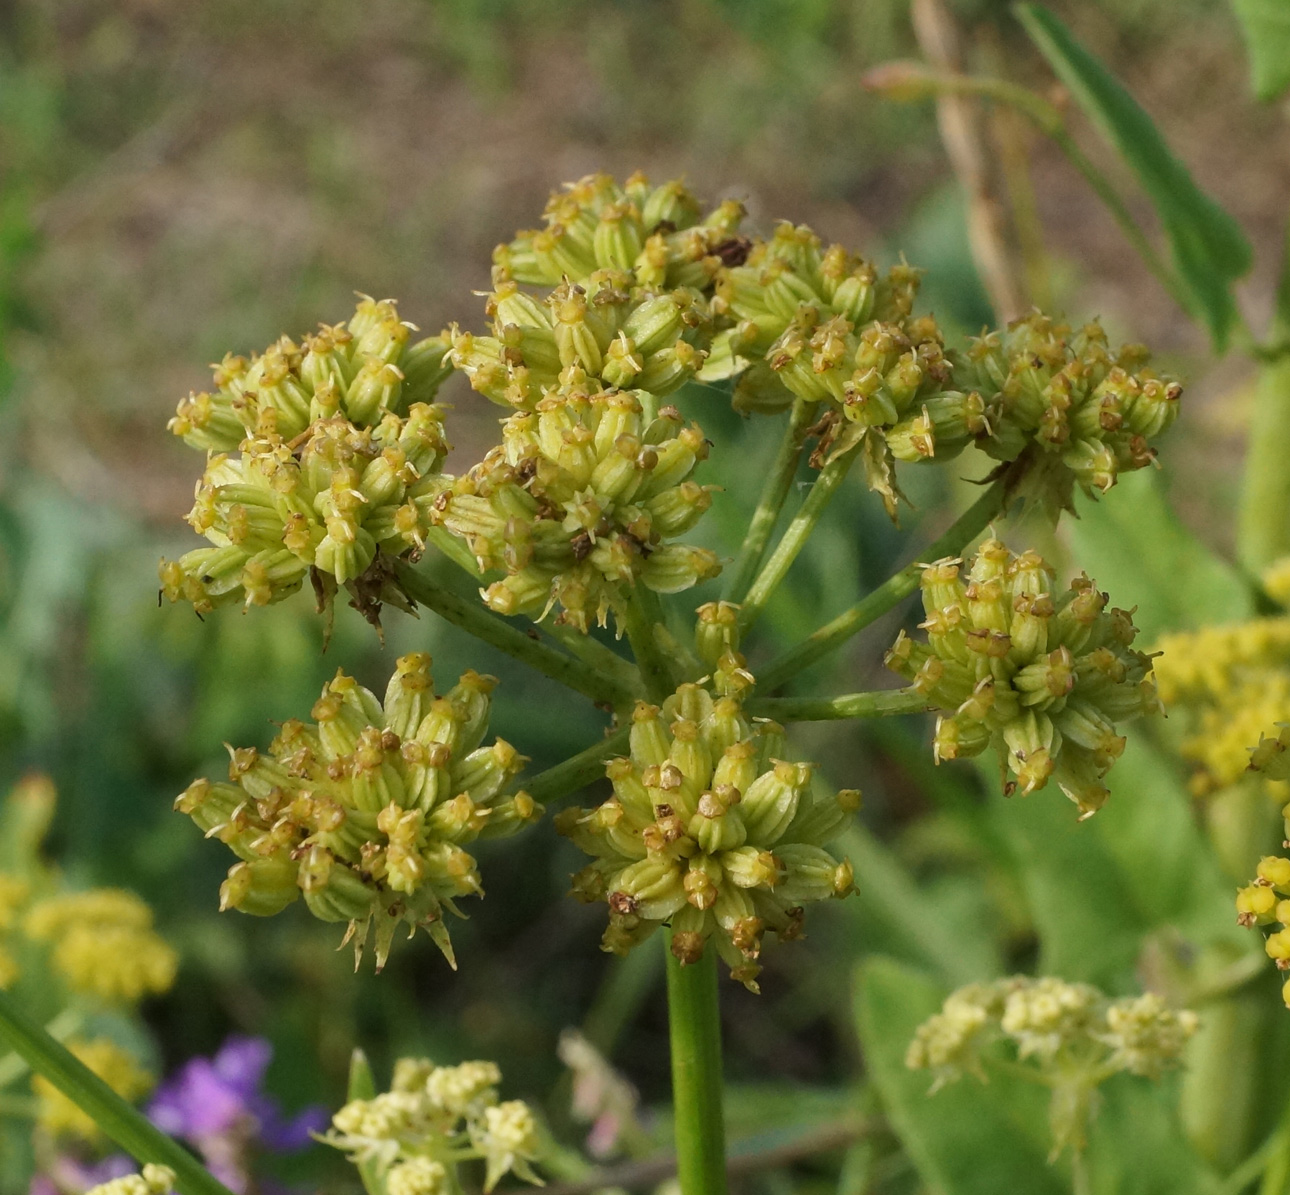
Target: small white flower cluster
(432,1118)
(155,1180)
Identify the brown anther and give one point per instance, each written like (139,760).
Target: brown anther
(624,904)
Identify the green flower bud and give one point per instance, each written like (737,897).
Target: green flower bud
(367,811)
(702,833)
(1043,678)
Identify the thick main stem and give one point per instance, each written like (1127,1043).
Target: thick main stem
(795,536)
(778,482)
(127,1126)
(640,615)
(578,770)
(967,527)
(694,1023)
(494,630)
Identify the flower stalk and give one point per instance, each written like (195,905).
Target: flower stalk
(694,1021)
(127,1126)
(971,523)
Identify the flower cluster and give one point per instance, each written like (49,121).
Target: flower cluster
(659,236)
(1076,1037)
(103,944)
(1091,412)
(321,504)
(603,327)
(59,1116)
(1233,682)
(366,811)
(1042,677)
(710,829)
(154,1180)
(361,371)
(432,1118)
(100,942)
(577,503)
(218,1105)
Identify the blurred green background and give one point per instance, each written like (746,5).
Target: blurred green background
(180,180)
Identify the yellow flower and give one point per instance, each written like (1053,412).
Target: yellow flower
(59,1116)
(104,944)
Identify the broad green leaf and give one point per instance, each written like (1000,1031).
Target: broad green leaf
(969,1138)
(1266,25)
(1209,248)
(1136,549)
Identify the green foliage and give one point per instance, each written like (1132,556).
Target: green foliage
(1266,25)
(1209,248)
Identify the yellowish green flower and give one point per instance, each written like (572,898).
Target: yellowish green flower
(1073,1035)
(360,371)
(579,503)
(433,1118)
(710,830)
(1231,683)
(605,327)
(60,1117)
(657,235)
(154,1180)
(1091,413)
(367,810)
(322,505)
(1043,677)
(104,944)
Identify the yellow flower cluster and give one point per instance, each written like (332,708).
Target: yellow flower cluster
(432,1118)
(657,235)
(1232,682)
(1042,677)
(709,830)
(366,811)
(360,370)
(578,502)
(60,1117)
(104,944)
(603,328)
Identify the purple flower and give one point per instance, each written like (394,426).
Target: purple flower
(217,1104)
(67,1173)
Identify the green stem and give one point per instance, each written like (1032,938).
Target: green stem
(966,528)
(67,1022)
(127,1126)
(604,661)
(796,535)
(1264,529)
(640,616)
(778,482)
(851,705)
(1081,1179)
(454,549)
(494,630)
(694,1021)
(578,770)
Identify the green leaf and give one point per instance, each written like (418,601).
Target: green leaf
(1209,248)
(969,1138)
(1266,25)
(362,1086)
(1136,549)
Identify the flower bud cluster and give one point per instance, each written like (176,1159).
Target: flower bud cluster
(59,1116)
(366,811)
(432,1118)
(605,327)
(709,829)
(578,503)
(103,944)
(1091,411)
(360,371)
(1044,678)
(1266,901)
(1232,682)
(659,236)
(327,501)
(822,325)
(154,1180)
(1074,1035)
